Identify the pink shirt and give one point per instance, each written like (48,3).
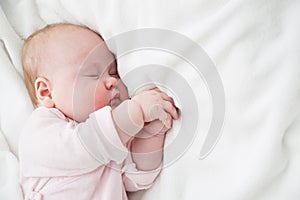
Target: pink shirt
(63,160)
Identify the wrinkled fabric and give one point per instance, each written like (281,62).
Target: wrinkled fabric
(61,159)
(255,46)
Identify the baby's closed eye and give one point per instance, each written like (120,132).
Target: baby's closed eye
(92,76)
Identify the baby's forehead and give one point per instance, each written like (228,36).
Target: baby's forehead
(69,35)
(57,36)
(68,46)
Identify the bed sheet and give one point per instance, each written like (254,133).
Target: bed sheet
(255,47)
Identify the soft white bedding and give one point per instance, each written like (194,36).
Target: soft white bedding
(255,46)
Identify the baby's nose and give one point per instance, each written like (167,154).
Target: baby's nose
(111,83)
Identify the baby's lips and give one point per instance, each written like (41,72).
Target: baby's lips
(115,98)
(115,94)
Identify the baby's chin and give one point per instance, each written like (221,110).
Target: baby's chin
(115,103)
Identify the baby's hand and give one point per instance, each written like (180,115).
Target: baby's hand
(151,107)
(153,128)
(156,105)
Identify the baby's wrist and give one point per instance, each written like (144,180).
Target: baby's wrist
(128,117)
(136,113)
(137,106)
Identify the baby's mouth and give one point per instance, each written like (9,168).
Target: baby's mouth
(115,100)
(115,95)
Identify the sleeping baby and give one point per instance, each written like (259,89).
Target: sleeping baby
(86,139)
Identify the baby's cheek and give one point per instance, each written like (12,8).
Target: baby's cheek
(100,102)
(83,96)
(102,97)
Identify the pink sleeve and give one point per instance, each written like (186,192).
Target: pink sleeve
(139,180)
(101,140)
(135,179)
(52,145)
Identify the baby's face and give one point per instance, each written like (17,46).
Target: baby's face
(84,76)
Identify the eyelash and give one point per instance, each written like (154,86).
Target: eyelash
(114,74)
(93,76)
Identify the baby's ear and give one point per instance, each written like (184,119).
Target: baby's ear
(43,92)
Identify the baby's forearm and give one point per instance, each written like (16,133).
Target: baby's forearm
(128,120)
(147,153)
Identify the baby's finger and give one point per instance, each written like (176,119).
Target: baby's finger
(145,89)
(166,119)
(169,108)
(164,95)
(167,98)
(154,127)
(156,89)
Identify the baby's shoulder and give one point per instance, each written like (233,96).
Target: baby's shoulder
(42,118)
(44,112)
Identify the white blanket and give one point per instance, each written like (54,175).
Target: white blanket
(255,46)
